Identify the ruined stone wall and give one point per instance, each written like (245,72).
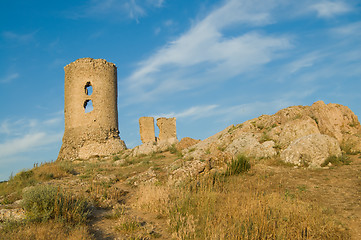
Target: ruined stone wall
(167,128)
(146,129)
(96,132)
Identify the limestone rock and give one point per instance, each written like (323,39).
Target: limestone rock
(293,130)
(311,150)
(150,147)
(186,143)
(248,145)
(334,120)
(189,169)
(267,134)
(15,214)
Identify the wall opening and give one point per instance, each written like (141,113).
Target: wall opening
(88,89)
(88,106)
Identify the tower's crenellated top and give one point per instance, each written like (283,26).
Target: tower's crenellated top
(93,61)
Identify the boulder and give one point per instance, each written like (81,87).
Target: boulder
(334,120)
(186,143)
(311,150)
(248,144)
(150,147)
(293,130)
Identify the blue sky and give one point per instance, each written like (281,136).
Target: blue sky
(208,63)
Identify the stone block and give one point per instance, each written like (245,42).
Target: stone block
(146,129)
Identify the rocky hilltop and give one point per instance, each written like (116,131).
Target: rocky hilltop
(301,135)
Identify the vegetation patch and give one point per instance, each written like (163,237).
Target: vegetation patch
(43,203)
(238,165)
(222,208)
(337,160)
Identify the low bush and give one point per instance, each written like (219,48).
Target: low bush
(337,160)
(238,165)
(42,203)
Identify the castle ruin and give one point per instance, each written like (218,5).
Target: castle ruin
(90,110)
(167,129)
(146,129)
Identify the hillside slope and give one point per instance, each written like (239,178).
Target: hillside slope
(218,188)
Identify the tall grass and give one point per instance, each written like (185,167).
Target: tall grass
(228,207)
(44,231)
(42,203)
(12,189)
(238,165)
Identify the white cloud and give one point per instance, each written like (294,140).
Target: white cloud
(234,112)
(347,30)
(10,77)
(327,9)
(194,112)
(20,38)
(111,9)
(25,135)
(156,3)
(26,143)
(305,61)
(175,66)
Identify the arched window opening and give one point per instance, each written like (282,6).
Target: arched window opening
(88,89)
(88,106)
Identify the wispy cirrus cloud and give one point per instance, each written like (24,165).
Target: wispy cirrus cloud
(22,38)
(28,142)
(348,29)
(229,113)
(132,9)
(327,9)
(9,78)
(204,53)
(25,135)
(194,112)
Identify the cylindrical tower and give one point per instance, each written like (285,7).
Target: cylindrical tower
(90,110)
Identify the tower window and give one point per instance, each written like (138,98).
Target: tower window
(88,89)
(88,106)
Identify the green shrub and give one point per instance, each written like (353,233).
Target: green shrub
(337,160)
(172,149)
(43,203)
(239,165)
(11,190)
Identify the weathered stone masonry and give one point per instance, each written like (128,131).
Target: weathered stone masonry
(146,129)
(167,129)
(94,132)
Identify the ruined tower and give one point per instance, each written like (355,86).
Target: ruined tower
(90,110)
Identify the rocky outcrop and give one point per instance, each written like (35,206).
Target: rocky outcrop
(311,150)
(294,129)
(15,214)
(186,143)
(269,135)
(249,145)
(152,147)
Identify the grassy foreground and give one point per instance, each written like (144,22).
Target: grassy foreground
(245,201)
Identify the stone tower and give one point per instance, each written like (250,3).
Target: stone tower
(90,110)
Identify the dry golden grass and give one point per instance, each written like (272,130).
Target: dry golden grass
(45,231)
(218,207)
(152,198)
